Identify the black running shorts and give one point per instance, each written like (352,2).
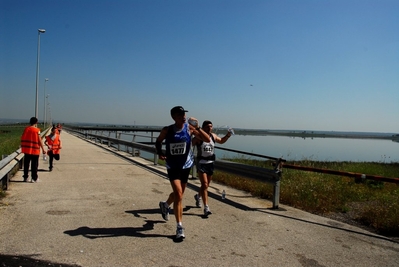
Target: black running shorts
(206,168)
(179,174)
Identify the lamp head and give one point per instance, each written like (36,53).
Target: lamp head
(41,30)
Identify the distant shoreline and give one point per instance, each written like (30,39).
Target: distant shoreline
(239,131)
(258,132)
(320,134)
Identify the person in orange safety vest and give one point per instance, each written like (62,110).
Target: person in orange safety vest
(59,128)
(31,143)
(53,142)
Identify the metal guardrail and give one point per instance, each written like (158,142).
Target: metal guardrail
(359,177)
(257,173)
(272,176)
(8,166)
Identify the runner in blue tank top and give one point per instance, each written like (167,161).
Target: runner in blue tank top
(179,160)
(179,154)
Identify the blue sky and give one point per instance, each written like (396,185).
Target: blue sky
(278,64)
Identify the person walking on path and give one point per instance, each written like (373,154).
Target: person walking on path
(59,128)
(31,143)
(179,160)
(53,142)
(205,167)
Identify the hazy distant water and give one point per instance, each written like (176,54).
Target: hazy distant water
(318,149)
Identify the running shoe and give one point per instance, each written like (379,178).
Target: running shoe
(197,201)
(207,211)
(164,210)
(180,233)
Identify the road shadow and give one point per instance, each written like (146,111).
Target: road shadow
(29,260)
(186,212)
(94,233)
(140,213)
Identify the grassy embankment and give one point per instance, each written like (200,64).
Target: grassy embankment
(10,138)
(374,204)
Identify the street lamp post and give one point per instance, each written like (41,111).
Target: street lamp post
(44,104)
(49,111)
(45,111)
(39,31)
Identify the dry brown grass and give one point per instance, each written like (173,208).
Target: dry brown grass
(371,204)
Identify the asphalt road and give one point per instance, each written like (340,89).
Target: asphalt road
(98,208)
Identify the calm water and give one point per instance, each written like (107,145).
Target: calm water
(318,149)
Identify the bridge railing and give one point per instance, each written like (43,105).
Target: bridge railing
(8,166)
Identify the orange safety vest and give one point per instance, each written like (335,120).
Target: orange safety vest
(55,144)
(30,141)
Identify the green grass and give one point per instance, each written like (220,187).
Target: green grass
(374,204)
(10,138)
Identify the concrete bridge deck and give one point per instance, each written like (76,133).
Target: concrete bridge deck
(98,209)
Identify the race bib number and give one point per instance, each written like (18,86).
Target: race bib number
(178,148)
(208,149)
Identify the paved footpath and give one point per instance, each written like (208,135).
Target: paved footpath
(99,209)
